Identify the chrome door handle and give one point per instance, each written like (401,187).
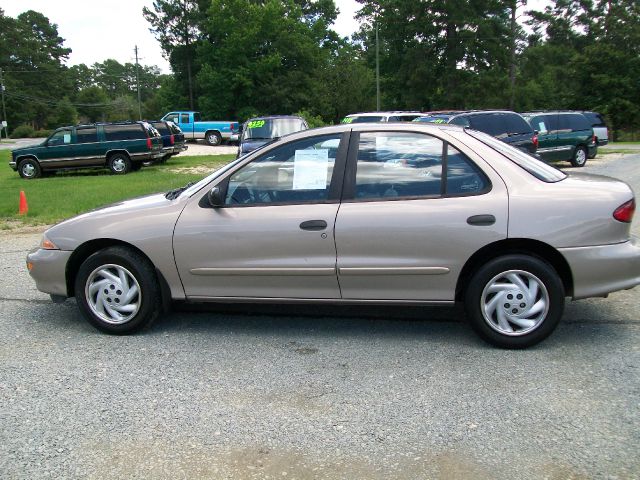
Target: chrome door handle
(313,225)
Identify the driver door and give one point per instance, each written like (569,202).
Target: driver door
(274,235)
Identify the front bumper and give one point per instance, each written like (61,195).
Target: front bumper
(603,269)
(48,269)
(13,165)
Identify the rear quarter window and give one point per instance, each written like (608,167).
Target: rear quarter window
(124,132)
(492,123)
(574,122)
(161,127)
(516,124)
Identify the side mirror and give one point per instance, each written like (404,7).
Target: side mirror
(215,197)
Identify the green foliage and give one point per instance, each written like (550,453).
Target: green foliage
(63,114)
(22,131)
(92,103)
(42,133)
(314,121)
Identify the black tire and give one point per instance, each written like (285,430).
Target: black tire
(213,138)
(119,163)
(29,168)
(509,303)
(146,302)
(595,152)
(580,155)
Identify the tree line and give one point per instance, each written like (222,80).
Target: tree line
(238,58)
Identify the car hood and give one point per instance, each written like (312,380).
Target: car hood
(27,148)
(132,221)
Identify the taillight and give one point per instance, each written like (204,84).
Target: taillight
(535,141)
(172,139)
(624,213)
(149,143)
(594,139)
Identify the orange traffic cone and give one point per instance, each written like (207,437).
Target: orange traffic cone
(23,208)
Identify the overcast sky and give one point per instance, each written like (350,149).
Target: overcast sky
(97,30)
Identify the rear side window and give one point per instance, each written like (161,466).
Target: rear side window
(184,118)
(516,124)
(86,135)
(161,127)
(574,122)
(595,118)
(397,164)
(124,132)
(491,123)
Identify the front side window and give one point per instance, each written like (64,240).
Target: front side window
(397,164)
(61,137)
(171,117)
(297,172)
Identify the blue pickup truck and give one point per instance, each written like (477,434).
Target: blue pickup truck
(212,131)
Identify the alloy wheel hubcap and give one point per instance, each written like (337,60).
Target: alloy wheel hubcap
(113,294)
(28,170)
(213,139)
(581,157)
(514,303)
(118,165)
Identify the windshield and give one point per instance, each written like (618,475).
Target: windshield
(433,119)
(535,167)
(268,128)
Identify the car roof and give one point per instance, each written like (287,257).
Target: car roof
(381,114)
(272,117)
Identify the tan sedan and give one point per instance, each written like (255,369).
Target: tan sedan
(388,214)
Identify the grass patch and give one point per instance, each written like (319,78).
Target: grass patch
(609,151)
(66,194)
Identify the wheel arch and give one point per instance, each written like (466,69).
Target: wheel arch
(85,250)
(116,151)
(27,156)
(524,246)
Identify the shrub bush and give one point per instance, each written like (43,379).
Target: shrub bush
(22,131)
(40,134)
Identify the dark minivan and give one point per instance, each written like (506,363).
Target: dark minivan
(173,141)
(505,125)
(120,147)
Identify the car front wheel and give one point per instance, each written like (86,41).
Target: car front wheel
(514,301)
(579,157)
(29,168)
(117,291)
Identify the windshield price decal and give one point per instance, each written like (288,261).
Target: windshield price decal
(347,120)
(256,124)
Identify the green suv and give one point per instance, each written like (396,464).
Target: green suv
(564,136)
(120,147)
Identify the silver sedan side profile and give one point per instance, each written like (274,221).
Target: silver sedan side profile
(362,214)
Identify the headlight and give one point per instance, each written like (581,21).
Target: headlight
(47,244)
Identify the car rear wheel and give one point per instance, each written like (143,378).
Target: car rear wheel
(119,163)
(29,168)
(213,138)
(514,301)
(579,157)
(117,291)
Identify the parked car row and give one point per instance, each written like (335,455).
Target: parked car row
(121,147)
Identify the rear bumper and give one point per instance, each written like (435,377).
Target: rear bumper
(179,148)
(49,270)
(603,142)
(603,269)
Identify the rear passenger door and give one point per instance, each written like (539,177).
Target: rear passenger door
(88,150)
(415,207)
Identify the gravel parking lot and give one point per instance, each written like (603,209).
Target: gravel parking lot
(295,392)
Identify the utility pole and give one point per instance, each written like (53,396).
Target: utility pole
(4,110)
(377,70)
(138,85)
